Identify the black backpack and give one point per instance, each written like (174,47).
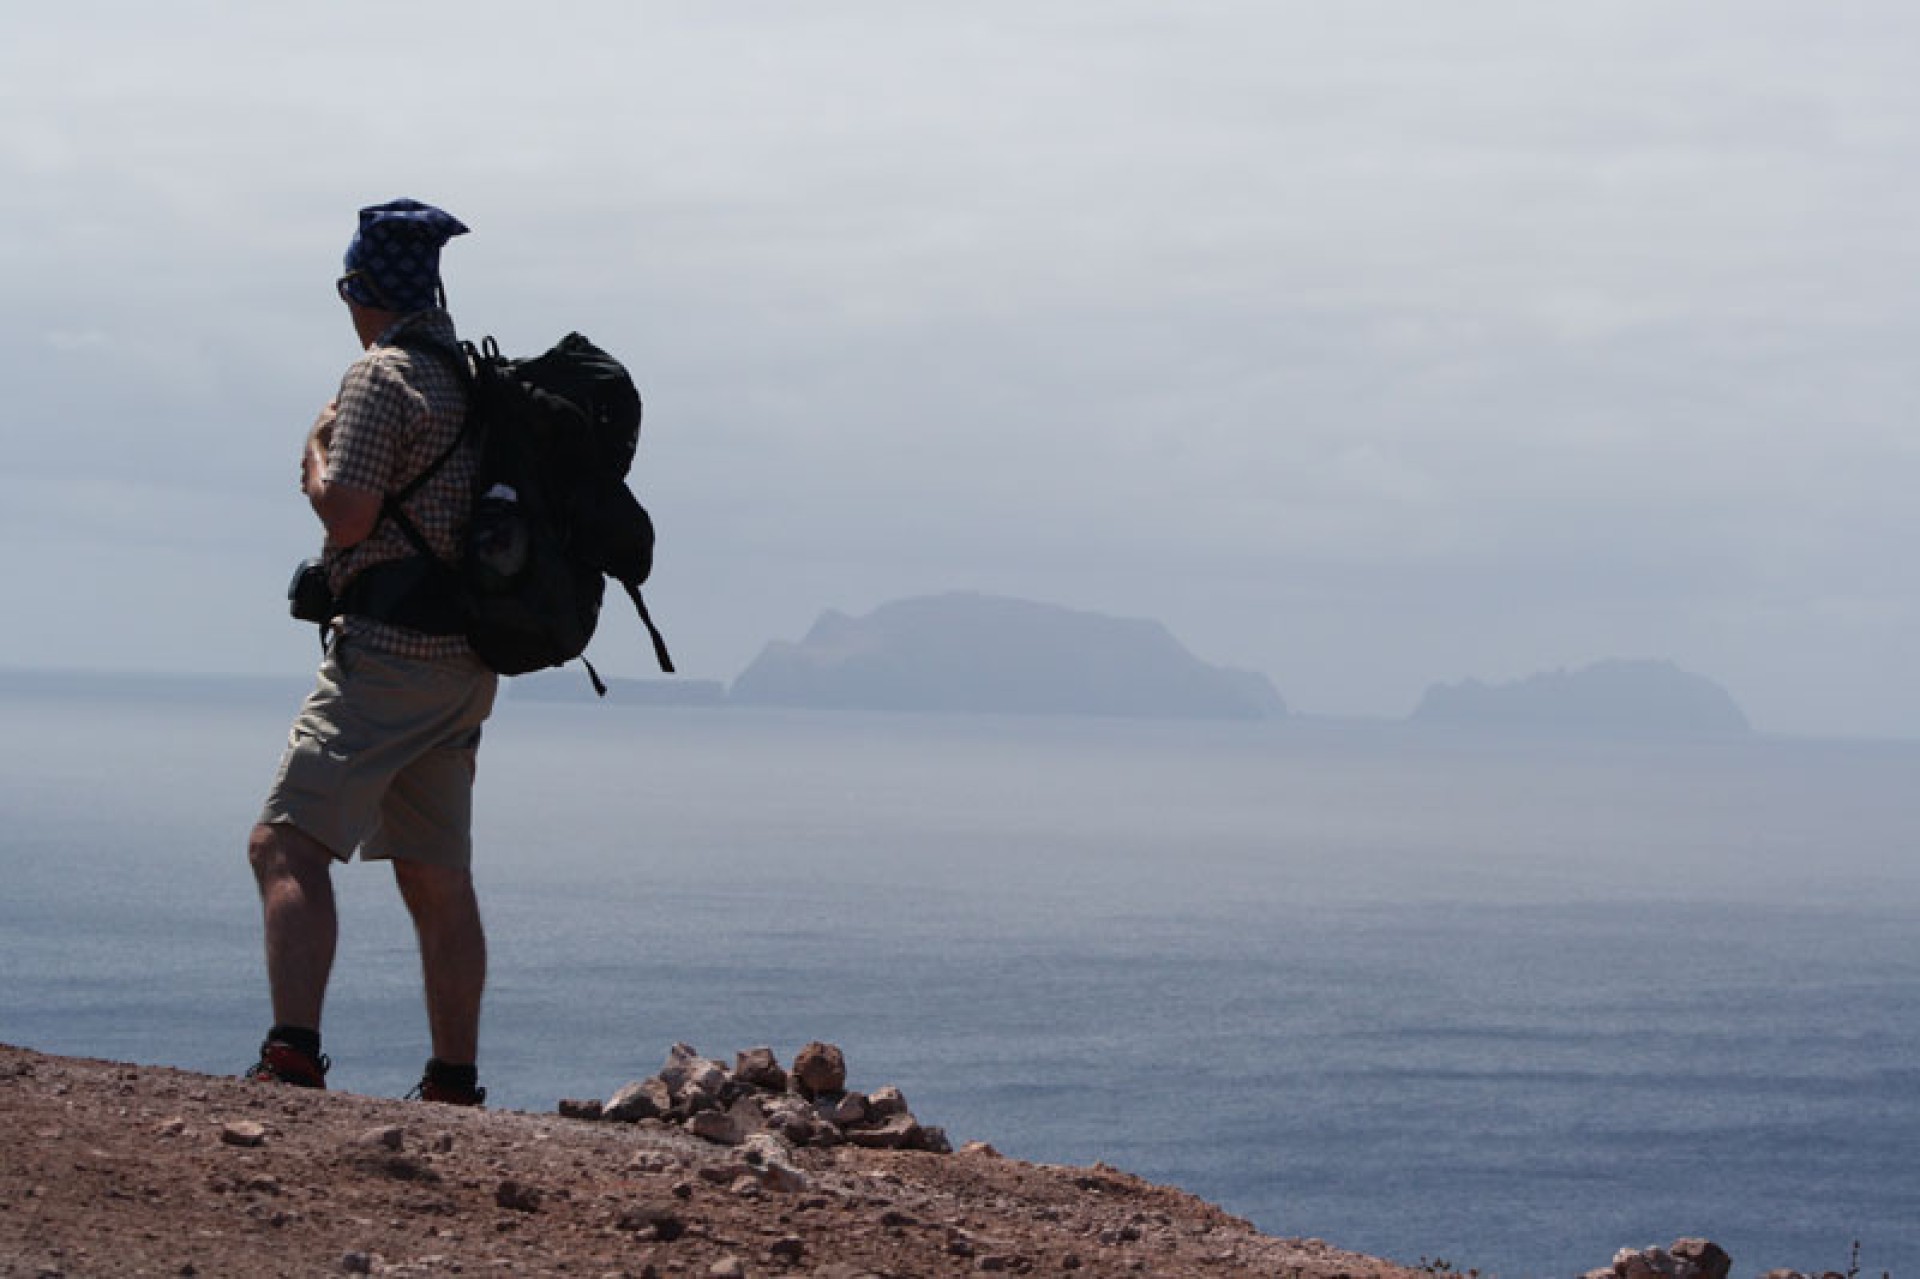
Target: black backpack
(552,514)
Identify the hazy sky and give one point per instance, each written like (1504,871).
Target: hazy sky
(1367,344)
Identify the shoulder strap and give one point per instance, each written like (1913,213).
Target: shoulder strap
(393,506)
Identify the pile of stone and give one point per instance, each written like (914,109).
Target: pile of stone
(1698,1259)
(1686,1259)
(807,1106)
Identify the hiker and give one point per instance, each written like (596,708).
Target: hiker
(381,757)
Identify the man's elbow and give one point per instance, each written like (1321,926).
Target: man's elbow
(348,514)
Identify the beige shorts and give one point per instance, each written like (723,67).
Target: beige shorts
(382,754)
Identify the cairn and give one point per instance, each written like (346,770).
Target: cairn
(809,1105)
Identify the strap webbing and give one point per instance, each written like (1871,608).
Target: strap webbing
(646,619)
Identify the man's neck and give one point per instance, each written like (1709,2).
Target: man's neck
(371,323)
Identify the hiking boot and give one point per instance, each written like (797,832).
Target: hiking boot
(448,1094)
(284,1064)
(449,1085)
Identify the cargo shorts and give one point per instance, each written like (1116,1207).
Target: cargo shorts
(381,757)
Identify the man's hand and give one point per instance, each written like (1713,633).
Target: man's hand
(313,459)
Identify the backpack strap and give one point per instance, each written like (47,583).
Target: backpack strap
(646,619)
(420,593)
(393,505)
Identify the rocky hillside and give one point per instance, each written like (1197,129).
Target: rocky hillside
(702,1171)
(117,1170)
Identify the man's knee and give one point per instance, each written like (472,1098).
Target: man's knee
(278,850)
(434,890)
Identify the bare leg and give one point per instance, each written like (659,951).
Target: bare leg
(453,954)
(295,874)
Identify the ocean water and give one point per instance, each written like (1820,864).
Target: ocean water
(1511,1004)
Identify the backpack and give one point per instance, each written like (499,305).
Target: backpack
(552,514)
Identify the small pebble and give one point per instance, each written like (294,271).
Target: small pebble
(390,1136)
(243,1132)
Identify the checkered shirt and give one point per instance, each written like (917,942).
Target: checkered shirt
(399,408)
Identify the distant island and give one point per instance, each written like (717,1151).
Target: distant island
(1616,698)
(970,652)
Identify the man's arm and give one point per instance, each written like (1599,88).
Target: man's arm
(349,514)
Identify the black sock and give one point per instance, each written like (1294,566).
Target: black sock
(448,1075)
(307,1041)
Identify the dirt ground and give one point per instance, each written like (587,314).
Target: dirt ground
(109,1169)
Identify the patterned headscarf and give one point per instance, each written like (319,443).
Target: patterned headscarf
(394,260)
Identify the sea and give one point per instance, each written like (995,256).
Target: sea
(1468,1000)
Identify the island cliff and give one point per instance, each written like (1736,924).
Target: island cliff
(982,653)
(1613,698)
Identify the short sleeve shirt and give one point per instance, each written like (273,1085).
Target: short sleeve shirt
(401,406)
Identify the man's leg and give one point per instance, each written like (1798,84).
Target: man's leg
(295,874)
(453,954)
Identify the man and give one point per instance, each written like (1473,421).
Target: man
(381,757)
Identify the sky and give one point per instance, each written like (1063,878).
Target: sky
(1367,345)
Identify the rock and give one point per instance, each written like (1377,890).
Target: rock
(659,1220)
(637,1101)
(717,1126)
(386,1137)
(766,1146)
(727,1268)
(774,1159)
(687,1072)
(517,1196)
(1707,1259)
(792,1118)
(748,1114)
(983,1150)
(759,1068)
(1686,1259)
(788,1250)
(843,1111)
(356,1263)
(784,1178)
(819,1068)
(373,1156)
(898,1133)
(243,1132)
(575,1108)
(886,1102)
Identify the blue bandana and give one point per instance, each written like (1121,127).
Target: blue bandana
(394,260)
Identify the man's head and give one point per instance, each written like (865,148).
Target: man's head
(393,262)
